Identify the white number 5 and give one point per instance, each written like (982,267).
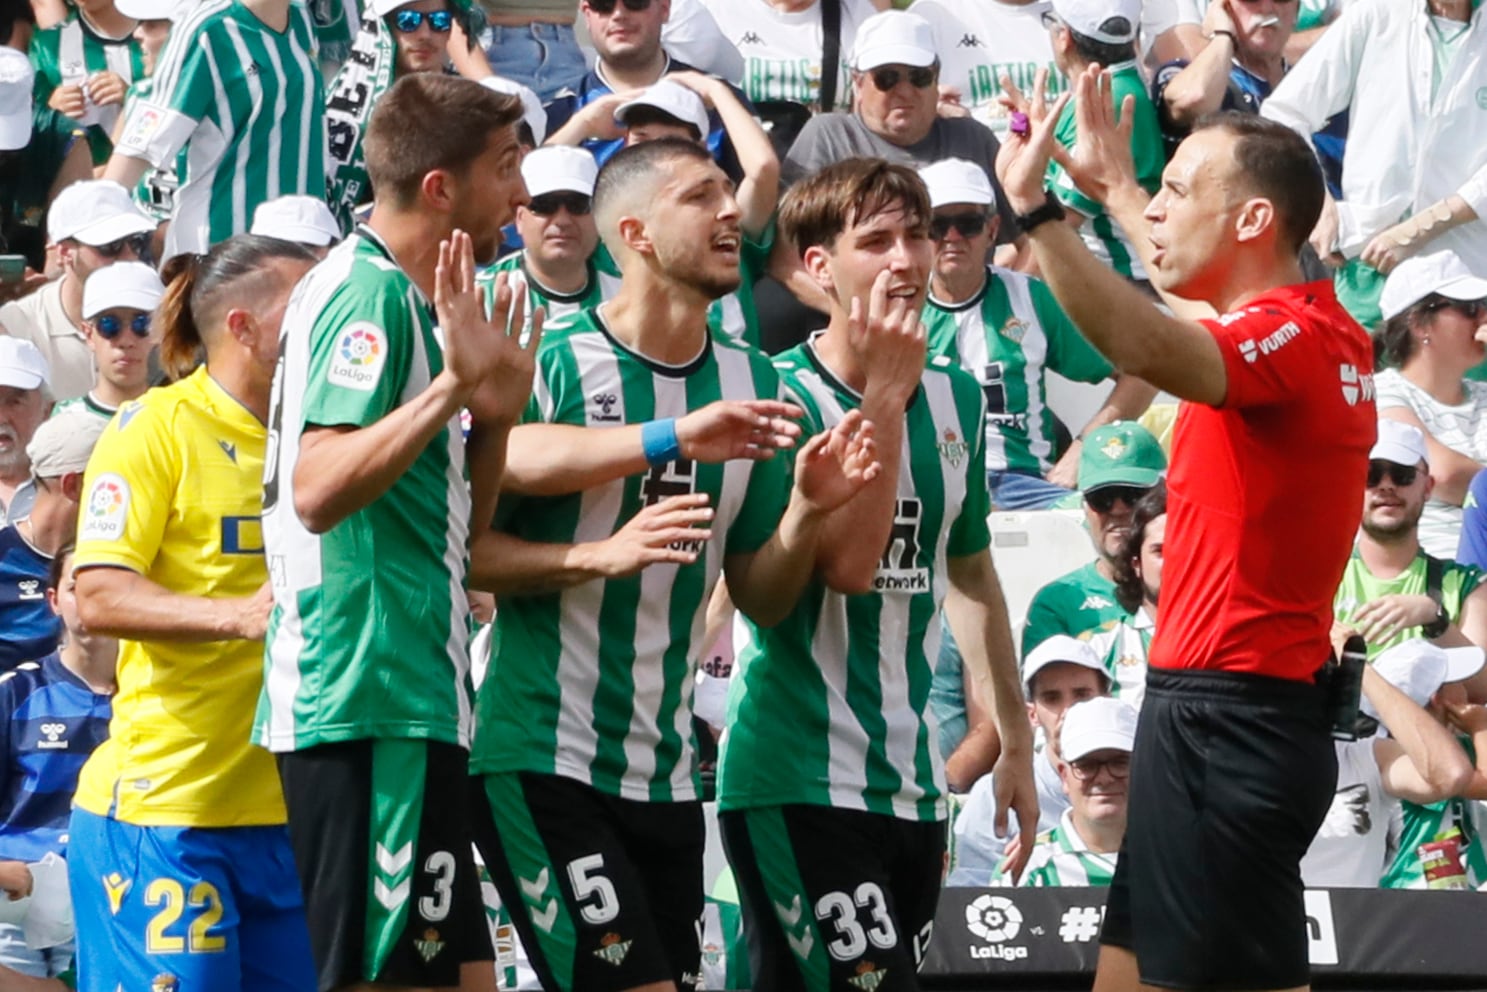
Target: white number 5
(586,873)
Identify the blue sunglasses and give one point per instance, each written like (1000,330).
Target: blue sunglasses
(408,21)
(111,327)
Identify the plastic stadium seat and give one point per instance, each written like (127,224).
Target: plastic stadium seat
(1033,548)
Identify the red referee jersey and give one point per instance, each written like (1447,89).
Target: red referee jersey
(1266,491)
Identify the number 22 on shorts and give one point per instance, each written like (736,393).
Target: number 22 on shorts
(174,900)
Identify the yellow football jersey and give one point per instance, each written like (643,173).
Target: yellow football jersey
(174,491)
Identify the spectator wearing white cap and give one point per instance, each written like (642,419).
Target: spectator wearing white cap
(58,453)
(93,224)
(118,311)
(24,404)
(1056,674)
(1007,330)
(1093,757)
(1414,758)
(156,191)
(85,65)
(1435,308)
(41,153)
(557,262)
(1415,177)
(1103,32)
(1392,589)
(305,220)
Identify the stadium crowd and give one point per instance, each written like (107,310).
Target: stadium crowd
(444,444)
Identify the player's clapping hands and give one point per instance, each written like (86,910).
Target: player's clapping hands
(729,429)
(835,465)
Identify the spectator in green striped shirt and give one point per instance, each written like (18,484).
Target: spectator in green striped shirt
(84,67)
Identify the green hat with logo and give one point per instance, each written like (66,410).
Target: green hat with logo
(1120,454)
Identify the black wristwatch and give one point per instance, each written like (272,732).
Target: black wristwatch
(1050,210)
(1437,627)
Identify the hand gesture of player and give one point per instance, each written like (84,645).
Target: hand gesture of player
(252,613)
(666,531)
(485,356)
(888,338)
(835,465)
(729,429)
(1015,790)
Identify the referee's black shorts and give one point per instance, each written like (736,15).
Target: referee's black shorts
(1231,776)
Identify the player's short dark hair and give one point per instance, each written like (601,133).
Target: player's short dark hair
(59,565)
(1104,52)
(1275,162)
(635,168)
(427,122)
(820,207)
(1130,585)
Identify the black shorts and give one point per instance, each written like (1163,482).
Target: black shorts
(606,893)
(834,899)
(1231,776)
(397,811)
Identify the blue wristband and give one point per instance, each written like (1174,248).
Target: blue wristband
(658,440)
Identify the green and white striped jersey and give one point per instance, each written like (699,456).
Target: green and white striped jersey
(370,627)
(68,54)
(1419,825)
(87,404)
(1061,858)
(155,193)
(602,285)
(831,706)
(247,106)
(1007,335)
(594,682)
(1360,587)
(1123,645)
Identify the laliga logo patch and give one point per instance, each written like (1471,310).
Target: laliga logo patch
(106,508)
(359,358)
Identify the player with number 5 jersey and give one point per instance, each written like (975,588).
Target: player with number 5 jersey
(180,861)
(645,474)
(831,785)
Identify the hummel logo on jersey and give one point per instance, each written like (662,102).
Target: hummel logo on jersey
(30,589)
(751,38)
(612,949)
(533,889)
(230,450)
(606,403)
(969,41)
(254,68)
(53,733)
(1095,601)
(802,942)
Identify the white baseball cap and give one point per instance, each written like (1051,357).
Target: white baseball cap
(1098,724)
(123,284)
(894,37)
(148,10)
(955,180)
(559,168)
(22,365)
(1415,278)
(673,99)
(17,80)
(1403,444)
(531,105)
(95,212)
(63,444)
(1100,20)
(1418,669)
(304,219)
(1060,648)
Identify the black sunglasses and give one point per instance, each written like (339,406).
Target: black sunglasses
(887,79)
(408,21)
(1470,309)
(550,203)
(111,327)
(139,242)
(1400,475)
(1088,769)
(968,225)
(606,7)
(1103,499)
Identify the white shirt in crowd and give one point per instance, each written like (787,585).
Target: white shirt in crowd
(781,50)
(1350,849)
(40,319)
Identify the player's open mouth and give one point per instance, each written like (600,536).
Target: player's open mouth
(903,292)
(726,243)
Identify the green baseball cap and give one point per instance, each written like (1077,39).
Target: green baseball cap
(1120,454)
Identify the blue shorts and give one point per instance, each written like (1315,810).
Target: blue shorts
(186,908)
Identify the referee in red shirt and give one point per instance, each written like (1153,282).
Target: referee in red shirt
(1234,767)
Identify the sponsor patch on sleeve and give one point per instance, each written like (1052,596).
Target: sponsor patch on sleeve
(105,509)
(360,356)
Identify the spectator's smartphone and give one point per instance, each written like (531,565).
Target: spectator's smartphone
(12,268)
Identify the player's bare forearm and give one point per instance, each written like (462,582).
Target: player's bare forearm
(126,170)
(1179,356)
(855,534)
(977,613)
(766,584)
(510,566)
(486,454)
(345,469)
(119,602)
(557,459)
(974,756)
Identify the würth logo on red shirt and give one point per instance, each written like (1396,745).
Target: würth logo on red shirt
(1277,340)
(1355,385)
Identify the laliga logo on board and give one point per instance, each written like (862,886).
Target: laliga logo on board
(359,358)
(994,919)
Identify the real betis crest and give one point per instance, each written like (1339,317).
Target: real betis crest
(953,448)
(868,978)
(1014,330)
(1114,448)
(430,946)
(612,949)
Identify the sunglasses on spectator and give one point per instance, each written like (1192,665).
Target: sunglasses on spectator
(408,21)
(1470,309)
(1400,475)
(968,225)
(1102,500)
(1088,769)
(887,79)
(550,203)
(111,327)
(139,242)
(606,7)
